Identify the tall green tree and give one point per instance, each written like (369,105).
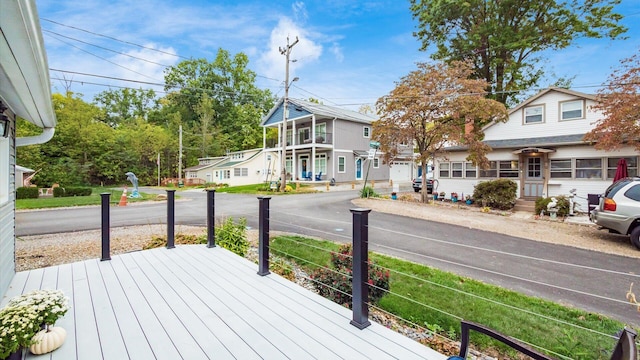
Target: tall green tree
(237,103)
(434,106)
(503,38)
(124,106)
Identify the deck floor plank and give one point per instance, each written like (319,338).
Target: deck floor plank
(16,287)
(161,343)
(135,340)
(193,302)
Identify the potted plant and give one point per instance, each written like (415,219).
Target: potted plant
(49,306)
(442,195)
(18,325)
(394,196)
(468,200)
(454,197)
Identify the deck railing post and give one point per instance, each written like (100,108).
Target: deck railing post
(106,241)
(211,218)
(263,236)
(171,213)
(360,289)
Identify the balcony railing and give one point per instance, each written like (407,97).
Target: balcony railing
(303,139)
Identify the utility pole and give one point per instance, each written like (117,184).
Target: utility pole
(180,157)
(283,163)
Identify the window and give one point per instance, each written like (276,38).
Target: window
(612,165)
(289,137)
(226,174)
(534,114)
(470,170)
(341,164)
(241,172)
(304,135)
(192,174)
(365,131)
(321,130)
(571,110)
(491,171)
(560,169)
(321,163)
(509,169)
(376,163)
(456,169)
(288,164)
(444,170)
(588,168)
(269,157)
(237,156)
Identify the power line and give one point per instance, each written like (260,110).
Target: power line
(104,48)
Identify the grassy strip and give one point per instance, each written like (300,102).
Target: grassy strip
(93,199)
(549,334)
(260,189)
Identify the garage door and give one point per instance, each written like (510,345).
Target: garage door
(400,171)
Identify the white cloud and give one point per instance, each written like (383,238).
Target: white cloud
(300,11)
(272,62)
(336,50)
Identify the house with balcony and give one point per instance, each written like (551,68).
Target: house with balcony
(323,143)
(541,148)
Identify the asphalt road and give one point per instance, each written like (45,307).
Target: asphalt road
(585,279)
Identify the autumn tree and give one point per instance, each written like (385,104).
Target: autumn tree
(435,106)
(504,38)
(619,102)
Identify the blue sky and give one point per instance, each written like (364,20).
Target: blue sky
(350,53)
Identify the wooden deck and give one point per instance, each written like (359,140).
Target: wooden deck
(193,302)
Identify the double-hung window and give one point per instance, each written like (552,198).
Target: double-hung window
(534,114)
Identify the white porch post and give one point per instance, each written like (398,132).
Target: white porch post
(313,147)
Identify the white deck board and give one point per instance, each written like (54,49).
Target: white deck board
(193,302)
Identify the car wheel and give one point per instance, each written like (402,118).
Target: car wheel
(635,237)
(416,190)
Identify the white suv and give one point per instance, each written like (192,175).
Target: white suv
(619,209)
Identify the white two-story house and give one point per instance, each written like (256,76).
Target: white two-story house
(541,148)
(323,143)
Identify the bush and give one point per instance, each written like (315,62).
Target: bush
(27,193)
(71,191)
(368,192)
(497,194)
(233,236)
(562,206)
(335,284)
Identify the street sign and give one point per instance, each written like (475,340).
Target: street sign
(374,144)
(371,154)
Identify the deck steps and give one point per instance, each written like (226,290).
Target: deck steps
(525,205)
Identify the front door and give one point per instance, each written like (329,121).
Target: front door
(533,179)
(358,169)
(305,167)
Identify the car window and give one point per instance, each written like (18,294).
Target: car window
(615,187)
(633,193)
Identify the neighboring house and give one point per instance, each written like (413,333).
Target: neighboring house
(541,148)
(236,168)
(22,174)
(24,92)
(323,140)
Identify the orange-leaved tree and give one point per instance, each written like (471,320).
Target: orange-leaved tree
(619,102)
(435,106)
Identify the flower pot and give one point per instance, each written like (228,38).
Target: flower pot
(16,355)
(469,202)
(454,199)
(435,196)
(394,196)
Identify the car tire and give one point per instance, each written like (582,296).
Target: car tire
(416,190)
(635,236)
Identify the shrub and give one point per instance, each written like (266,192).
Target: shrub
(27,193)
(497,194)
(368,192)
(562,206)
(335,284)
(233,236)
(58,192)
(71,191)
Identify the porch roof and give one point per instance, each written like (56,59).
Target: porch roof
(546,141)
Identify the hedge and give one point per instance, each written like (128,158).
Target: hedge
(71,191)
(27,193)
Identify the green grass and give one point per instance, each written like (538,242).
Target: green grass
(450,294)
(93,199)
(258,189)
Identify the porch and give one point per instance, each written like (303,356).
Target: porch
(194,302)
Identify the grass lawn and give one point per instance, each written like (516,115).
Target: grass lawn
(260,189)
(412,283)
(93,199)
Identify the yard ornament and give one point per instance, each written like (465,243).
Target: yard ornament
(134,181)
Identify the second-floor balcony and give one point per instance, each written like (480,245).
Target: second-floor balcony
(303,140)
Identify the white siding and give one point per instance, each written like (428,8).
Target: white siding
(514,128)
(7,216)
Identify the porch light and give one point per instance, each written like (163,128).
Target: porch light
(4,125)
